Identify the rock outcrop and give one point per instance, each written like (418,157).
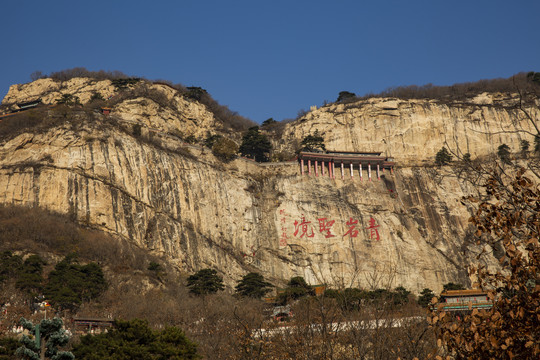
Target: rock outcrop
(412,131)
(409,228)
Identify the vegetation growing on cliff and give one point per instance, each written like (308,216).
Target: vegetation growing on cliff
(443,157)
(126,84)
(313,142)
(525,82)
(255,145)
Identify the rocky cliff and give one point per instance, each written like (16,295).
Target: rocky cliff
(409,228)
(413,131)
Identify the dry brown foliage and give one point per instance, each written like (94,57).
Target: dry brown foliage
(37,231)
(320,329)
(509,216)
(460,91)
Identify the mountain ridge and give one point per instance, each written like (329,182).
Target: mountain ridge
(176,199)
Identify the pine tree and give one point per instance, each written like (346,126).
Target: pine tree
(313,142)
(205,281)
(48,335)
(425,297)
(255,145)
(136,340)
(253,285)
(70,284)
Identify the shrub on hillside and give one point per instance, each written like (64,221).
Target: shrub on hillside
(225,149)
(68,74)
(37,231)
(525,82)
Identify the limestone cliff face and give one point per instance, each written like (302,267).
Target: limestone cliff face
(409,228)
(413,131)
(180,116)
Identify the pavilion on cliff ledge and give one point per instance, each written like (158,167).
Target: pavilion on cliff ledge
(351,160)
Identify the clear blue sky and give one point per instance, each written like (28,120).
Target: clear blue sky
(272,58)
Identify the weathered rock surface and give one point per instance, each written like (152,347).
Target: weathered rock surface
(409,228)
(181,116)
(413,131)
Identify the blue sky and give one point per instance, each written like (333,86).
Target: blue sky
(273,58)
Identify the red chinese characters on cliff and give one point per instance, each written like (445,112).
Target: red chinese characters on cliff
(373,229)
(304,228)
(283,238)
(352,232)
(326,226)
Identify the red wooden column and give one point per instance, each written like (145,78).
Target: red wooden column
(302,166)
(378,174)
(316,168)
(322,168)
(309,166)
(352,173)
(342,173)
(360,171)
(330,169)
(369,171)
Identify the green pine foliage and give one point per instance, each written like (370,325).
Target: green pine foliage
(69,284)
(10,265)
(352,299)
(211,139)
(255,145)
(204,282)
(400,296)
(297,287)
(313,142)
(268,122)
(154,266)
(253,285)
(29,277)
(346,96)
(68,99)
(50,332)
(425,297)
(136,340)
(452,286)
(443,157)
(8,346)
